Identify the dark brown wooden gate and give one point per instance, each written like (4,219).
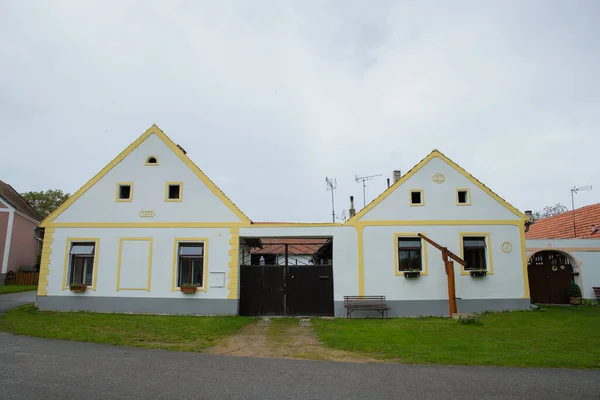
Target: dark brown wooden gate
(293,279)
(309,290)
(550,274)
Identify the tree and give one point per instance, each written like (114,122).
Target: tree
(46,202)
(549,211)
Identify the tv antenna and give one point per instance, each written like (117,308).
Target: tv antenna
(364,179)
(343,216)
(576,190)
(331,185)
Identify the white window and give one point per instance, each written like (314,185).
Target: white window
(81,263)
(190,270)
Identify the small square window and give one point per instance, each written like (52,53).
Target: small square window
(462,197)
(173,192)
(416,197)
(124,191)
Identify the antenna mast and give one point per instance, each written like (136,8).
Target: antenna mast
(331,185)
(364,179)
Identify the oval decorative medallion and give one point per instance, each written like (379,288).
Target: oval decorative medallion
(147,214)
(506,247)
(438,178)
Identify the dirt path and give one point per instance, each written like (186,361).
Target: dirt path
(281,339)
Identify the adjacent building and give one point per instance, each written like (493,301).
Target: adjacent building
(18,219)
(562,249)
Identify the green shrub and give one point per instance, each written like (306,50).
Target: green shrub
(590,303)
(574,290)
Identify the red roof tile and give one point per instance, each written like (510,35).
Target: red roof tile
(296,246)
(561,226)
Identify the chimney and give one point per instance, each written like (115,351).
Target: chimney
(529,214)
(397,175)
(352,210)
(388,182)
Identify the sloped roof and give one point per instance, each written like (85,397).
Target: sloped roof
(12,197)
(295,246)
(178,150)
(423,162)
(561,226)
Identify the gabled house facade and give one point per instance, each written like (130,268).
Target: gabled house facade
(151,223)
(18,219)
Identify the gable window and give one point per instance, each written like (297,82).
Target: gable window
(474,253)
(463,197)
(173,191)
(416,197)
(81,263)
(124,191)
(190,264)
(151,160)
(409,254)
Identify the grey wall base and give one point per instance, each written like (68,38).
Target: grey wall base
(138,305)
(424,308)
(199,306)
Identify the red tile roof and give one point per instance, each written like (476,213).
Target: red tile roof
(295,246)
(9,194)
(561,226)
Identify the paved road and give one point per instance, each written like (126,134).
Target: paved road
(32,368)
(12,300)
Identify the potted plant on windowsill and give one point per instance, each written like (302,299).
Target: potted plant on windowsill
(78,287)
(412,273)
(188,288)
(478,272)
(574,294)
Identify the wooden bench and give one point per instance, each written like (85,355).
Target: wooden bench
(597,292)
(374,303)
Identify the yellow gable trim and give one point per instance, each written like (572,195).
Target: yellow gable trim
(415,169)
(186,160)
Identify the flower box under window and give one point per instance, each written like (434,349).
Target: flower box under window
(78,287)
(412,274)
(478,272)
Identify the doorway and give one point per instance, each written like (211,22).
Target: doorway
(550,274)
(286,276)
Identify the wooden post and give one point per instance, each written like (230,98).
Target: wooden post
(451,287)
(447,257)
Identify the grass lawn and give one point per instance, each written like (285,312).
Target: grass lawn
(563,337)
(5,289)
(185,333)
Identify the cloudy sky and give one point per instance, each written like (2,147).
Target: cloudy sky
(270,97)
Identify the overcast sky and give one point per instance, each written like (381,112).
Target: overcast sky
(270,97)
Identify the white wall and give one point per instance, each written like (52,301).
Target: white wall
(380,265)
(585,253)
(198,202)
(162,260)
(440,199)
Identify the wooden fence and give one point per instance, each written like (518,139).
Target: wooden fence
(23,278)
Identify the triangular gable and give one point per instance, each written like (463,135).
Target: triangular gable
(176,149)
(416,168)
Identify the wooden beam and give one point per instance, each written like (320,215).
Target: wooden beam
(449,267)
(445,252)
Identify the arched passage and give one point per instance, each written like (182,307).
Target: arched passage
(550,272)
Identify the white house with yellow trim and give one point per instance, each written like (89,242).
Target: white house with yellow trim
(151,223)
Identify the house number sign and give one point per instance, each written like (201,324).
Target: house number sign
(147,214)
